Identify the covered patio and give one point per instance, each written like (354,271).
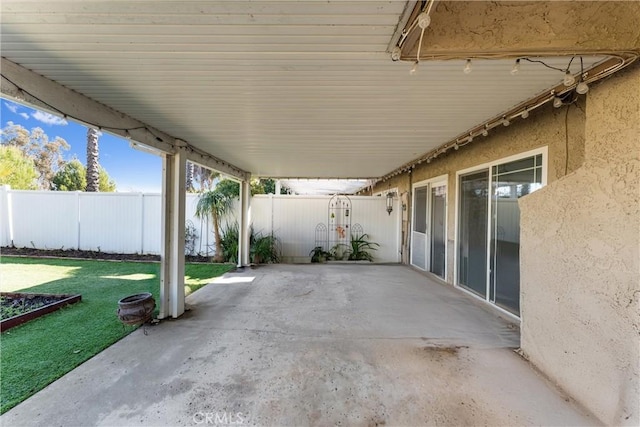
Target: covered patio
(312,345)
(459,111)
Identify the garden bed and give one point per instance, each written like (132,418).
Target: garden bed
(97,255)
(18,308)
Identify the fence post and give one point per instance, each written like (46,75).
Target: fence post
(6,216)
(78,220)
(141,223)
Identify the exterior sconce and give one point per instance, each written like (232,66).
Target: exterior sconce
(390,202)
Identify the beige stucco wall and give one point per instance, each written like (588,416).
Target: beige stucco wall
(580,282)
(544,127)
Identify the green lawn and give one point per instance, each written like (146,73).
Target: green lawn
(37,353)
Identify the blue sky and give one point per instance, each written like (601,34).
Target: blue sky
(132,170)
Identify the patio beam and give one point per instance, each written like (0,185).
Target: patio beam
(26,86)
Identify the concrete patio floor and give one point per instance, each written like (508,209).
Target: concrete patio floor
(311,345)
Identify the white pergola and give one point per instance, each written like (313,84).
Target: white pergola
(282,89)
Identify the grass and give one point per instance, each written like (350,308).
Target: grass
(37,353)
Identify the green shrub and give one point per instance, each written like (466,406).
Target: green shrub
(229,242)
(264,249)
(360,247)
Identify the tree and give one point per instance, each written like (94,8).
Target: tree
(35,145)
(204,177)
(216,204)
(189,177)
(106,184)
(93,167)
(16,169)
(228,188)
(266,186)
(70,177)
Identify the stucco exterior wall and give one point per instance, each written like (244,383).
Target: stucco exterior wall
(580,282)
(545,127)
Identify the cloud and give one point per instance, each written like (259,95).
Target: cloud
(12,107)
(24,116)
(48,119)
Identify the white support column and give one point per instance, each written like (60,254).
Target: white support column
(245,223)
(173,217)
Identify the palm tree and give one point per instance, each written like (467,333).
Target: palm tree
(216,204)
(93,167)
(189,177)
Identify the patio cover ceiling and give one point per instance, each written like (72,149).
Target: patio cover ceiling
(279,89)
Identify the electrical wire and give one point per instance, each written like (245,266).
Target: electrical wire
(566,142)
(538,61)
(64,115)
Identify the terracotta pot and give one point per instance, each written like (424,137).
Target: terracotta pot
(136,309)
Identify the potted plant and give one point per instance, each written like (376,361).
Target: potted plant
(319,255)
(136,309)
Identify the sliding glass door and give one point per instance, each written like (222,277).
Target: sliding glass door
(509,182)
(488,252)
(438,226)
(472,237)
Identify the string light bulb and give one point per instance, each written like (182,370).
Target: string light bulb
(19,94)
(568,79)
(525,113)
(582,88)
(414,69)
(467,67)
(470,137)
(456,146)
(424,20)
(516,67)
(396,53)
(557,102)
(485,131)
(505,121)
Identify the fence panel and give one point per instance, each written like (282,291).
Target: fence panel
(111,222)
(293,219)
(151,223)
(131,222)
(44,219)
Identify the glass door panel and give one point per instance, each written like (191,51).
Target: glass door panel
(438,230)
(419,232)
(473,224)
(510,181)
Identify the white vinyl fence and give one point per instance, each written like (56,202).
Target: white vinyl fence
(130,222)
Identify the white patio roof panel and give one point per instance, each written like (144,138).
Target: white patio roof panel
(284,89)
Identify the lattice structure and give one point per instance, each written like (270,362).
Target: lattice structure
(340,214)
(321,236)
(357,231)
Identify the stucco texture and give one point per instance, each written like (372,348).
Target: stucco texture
(529,26)
(580,262)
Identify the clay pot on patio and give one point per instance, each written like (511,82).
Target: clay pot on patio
(136,309)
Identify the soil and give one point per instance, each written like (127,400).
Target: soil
(13,306)
(74,253)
